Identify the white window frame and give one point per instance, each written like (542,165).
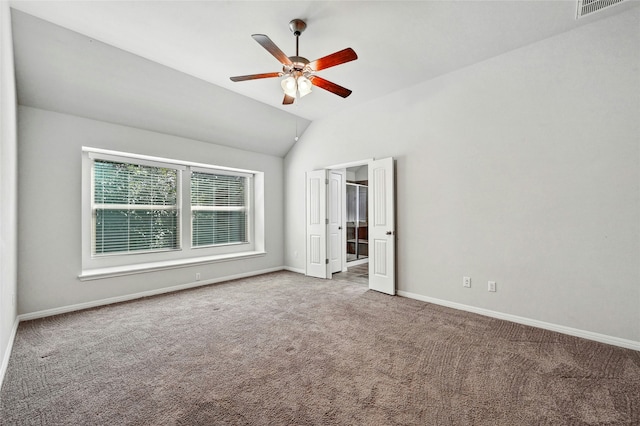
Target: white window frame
(248,202)
(94,206)
(117,264)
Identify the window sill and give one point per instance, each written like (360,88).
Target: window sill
(118,271)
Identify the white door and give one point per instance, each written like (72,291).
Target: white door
(317,260)
(336,196)
(382,238)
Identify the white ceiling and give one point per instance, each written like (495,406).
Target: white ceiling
(399,44)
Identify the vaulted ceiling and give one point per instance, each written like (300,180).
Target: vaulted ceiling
(165,65)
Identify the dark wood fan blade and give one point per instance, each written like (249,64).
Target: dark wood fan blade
(331,87)
(255,76)
(272,48)
(334,59)
(288,100)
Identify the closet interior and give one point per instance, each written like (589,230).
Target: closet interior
(357,215)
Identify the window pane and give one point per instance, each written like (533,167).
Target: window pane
(219,227)
(135,208)
(122,183)
(217,190)
(219,209)
(135,230)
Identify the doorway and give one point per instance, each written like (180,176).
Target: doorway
(373,230)
(357,219)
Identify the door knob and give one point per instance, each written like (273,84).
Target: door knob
(389,232)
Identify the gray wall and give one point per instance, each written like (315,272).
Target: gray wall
(8,188)
(49,259)
(523,169)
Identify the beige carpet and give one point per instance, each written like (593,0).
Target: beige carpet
(283,349)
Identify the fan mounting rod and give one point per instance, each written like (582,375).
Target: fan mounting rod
(297,27)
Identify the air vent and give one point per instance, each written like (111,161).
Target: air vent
(587,7)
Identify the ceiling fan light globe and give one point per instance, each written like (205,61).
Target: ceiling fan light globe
(304,86)
(304,92)
(288,84)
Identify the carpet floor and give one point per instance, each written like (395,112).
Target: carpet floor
(285,349)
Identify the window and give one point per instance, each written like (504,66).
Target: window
(147,213)
(135,208)
(218,209)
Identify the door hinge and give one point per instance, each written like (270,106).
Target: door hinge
(326,221)
(326,261)
(326,181)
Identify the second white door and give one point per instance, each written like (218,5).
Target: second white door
(336,241)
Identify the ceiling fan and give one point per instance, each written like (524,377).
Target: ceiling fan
(299,73)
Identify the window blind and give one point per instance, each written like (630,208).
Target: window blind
(135,208)
(219,209)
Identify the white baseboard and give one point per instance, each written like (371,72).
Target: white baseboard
(292,269)
(358,262)
(7,352)
(602,338)
(127,297)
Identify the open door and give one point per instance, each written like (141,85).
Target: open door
(336,219)
(382,238)
(317,224)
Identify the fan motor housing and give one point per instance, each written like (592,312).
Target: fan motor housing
(299,63)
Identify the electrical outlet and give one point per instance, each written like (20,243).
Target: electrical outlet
(466,281)
(492,286)
(197,276)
